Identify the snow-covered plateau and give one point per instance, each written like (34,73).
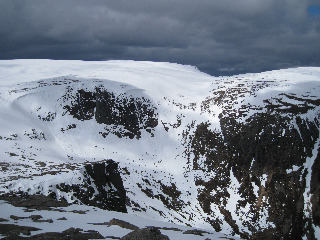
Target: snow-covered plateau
(124,143)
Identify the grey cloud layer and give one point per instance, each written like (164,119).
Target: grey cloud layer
(217,36)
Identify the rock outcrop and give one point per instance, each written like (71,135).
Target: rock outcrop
(133,114)
(264,153)
(37,201)
(145,234)
(98,184)
(101,186)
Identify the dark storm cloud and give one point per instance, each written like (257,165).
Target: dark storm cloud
(217,36)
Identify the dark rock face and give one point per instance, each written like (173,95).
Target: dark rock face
(266,145)
(39,202)
(132,114)
(315,190)
(101,186)
(105,178)
(12,233)
(145,234)
(169,196)
(83,105)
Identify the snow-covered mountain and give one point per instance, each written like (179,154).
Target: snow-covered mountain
(237,155)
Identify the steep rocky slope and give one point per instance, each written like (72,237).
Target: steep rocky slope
(235,154)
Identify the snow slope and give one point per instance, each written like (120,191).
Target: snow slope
(44,144)
(88,218)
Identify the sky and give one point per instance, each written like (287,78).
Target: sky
(219,37)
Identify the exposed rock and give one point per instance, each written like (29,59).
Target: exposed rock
(170,197)
(16,217)
(123,224)
(266,145)
(133,114)
(83,104)
(145,234)
(14,231)
(119,223)
(169,228)
(79,211)
(101,186)
(105,178)
(195,232)
(69,234)
(35,217)
(39,202)
(315,190)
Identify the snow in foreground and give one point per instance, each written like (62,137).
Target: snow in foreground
(90,218)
